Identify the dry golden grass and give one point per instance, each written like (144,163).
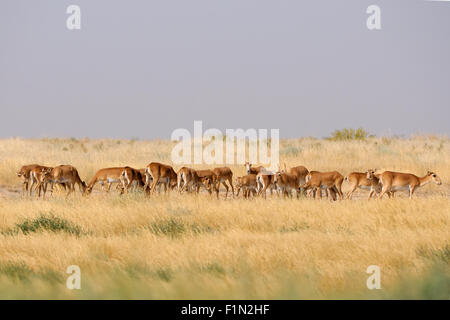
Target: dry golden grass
(199,247)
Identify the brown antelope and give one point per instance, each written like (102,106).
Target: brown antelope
(162,173)
(252,170)
(25,175)
(265,181)
(331,181)
(143,177)
(189,179)
(66,175)
(363,180)
(375,177)
(396,181)
(36,177)
(287,183)
(209,179)
(262,181)
(248,184)
(106,176)
(223,175)
(148,180)
(301,172)
(129,176)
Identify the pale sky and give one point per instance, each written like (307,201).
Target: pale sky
(140,69)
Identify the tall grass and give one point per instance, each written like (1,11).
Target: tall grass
(183,246)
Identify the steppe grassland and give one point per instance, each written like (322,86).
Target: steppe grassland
(198,247)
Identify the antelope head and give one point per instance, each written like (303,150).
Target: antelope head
(248,167)
(434,177)
(370,174)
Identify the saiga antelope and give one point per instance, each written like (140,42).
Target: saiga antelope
(106,176)
(148,180)
(189,178)
(301,172)
(36,177)
(224,175)
(162,173)
(248,184)
(66,175)
(263,182)
(287,183)
(327,180)
(396,181)
(209,179)
(129,176)
(252,170)
(363,180)
(24,174)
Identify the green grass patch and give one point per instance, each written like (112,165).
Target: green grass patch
(45,222)
(172,227)
(21,272)
(175,227)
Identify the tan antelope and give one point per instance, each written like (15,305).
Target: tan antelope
(24,174)
(143,177)
(224,175)
(265,181)
(189,179)
(287,183)
(209,179)
(396,181)
(312,191)
(248,184)
(252,170)
(66,175)
(162,173)
(301,172)
(148,180)
(375,177)
(363,180)
(331,181)
(36,177)
(106,176)
(129,176)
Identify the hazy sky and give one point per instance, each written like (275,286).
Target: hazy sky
(144,68)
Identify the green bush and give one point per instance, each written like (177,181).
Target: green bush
(49,223)
(349,134)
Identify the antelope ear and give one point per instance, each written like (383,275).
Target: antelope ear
(429,173)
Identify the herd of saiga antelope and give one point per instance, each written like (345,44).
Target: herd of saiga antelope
(256,182)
